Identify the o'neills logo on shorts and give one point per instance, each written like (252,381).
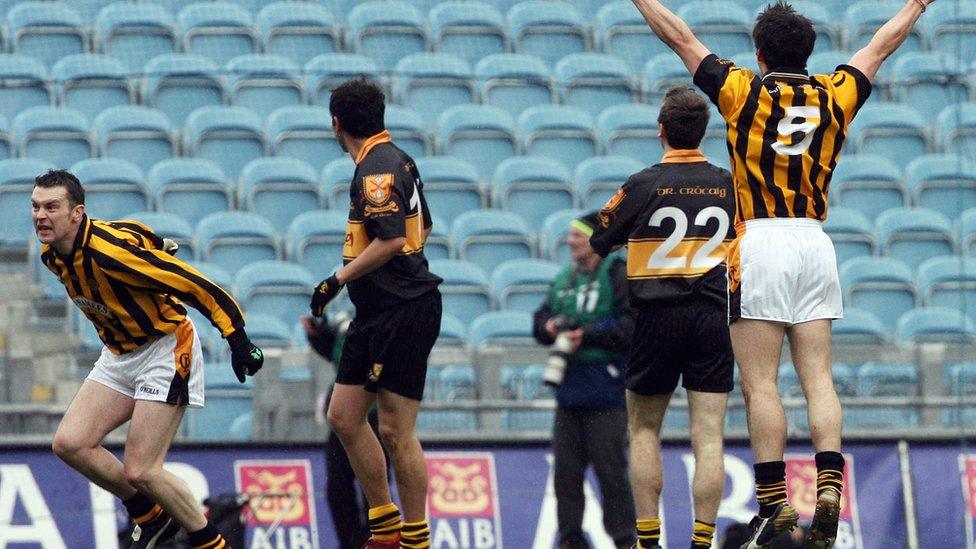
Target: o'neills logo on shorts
(86,304)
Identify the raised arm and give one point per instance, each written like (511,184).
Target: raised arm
(674,32)
(888,38)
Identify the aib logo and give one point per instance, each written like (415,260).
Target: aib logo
(462,500)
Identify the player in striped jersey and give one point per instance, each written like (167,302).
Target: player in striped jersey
(125,280)
(785,133)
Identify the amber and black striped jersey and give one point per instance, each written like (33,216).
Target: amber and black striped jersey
(132,291)
(676,220)
(386,200)
(785,132)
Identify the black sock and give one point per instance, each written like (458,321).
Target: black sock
(207,538)
(830,471)
(144,511)
(770,486)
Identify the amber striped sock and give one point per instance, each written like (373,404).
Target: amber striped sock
(144,511)
(207,538)
(701,538)
(830,471)
(385,522)
(648,532)
(770,486)
(416,535)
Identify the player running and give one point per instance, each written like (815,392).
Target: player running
(120,274)
(398,316)
(785,133)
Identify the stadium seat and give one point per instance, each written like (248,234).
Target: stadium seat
(45,30)
(966,229)
(523,284)
(276,288)
(264,82)
(6,144)
(746,60)
(315,238)
(714,144)
(469,30)
(439,421)
(438,244)
(598,178)
(859,327)
(559,132)
(547,30)
(227,400)
(91,83)
(113,187)
(881,285)
(61,136)
(242,428)
(429,83)
(631,130)
(298,30)
(328,70)
(956,129)
(170,226)
(622,31)
(218,30)
(230,136)
(140,135)
(961,379)
(825,62)
(386,32)
(451,186)
(279,187)
(488,237)
(135,32)
(881,380)
(594,81)
(945,183)
(868,183)
(16,185)
(25,84)
(235,239)
(851,232)
(951,27)
(305,133)
(553,235)
(178,84)
(930,80)
(465,290)
(532,186)
(893,130)
(722,26)
(409,132)
(661,72)
(514,82)
(457,382)
(937,325)
(190,187)
(949,281)
(913,235)
(454,333)
(502,328)
(480,134)
(335,182)
(863,18)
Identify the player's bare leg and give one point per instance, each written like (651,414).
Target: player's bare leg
(347,416)
(645,415)
(707,427)
(398,420)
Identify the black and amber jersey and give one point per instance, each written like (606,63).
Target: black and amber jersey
(132,291)
(785,132)
(386,200)
(676,221)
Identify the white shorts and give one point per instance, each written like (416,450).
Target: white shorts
(783,270)
(169,369)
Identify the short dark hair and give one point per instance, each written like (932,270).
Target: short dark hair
(359,105)
(783,37)
(63,178)
(684,116)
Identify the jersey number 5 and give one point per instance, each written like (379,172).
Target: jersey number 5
(796,120)
(702,260)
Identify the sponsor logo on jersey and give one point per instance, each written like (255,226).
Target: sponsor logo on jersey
(390,207)
(90,306)
(282,506)
(801,482)
(462,500)
(378,188)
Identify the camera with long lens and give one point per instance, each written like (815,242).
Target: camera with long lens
(559,352)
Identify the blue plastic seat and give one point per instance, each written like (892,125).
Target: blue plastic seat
(336,176)
(862,19)
(851,232)
(172,226)
(532,186)
(547,30)
(6,142)
(438,244)
(488,237)
(242,428)
(480,134)
(315,238)
(594,81)
(409,131)
(825,62)
(502,328)
(951,27)
(721,25)
(622,31)
(16,185)
(439,421)
(454,333)
(559,132)
(949,281)
(328,70)
(882,285)
(661,72)
(457,382)
(235,239)
(429,83)
(264,82)
(966,229)
(523,284)
(883,380)
(913,235)
(298,30)
(859,327)
(386,32)
(869,184)
(218,30)
(45,30)
(178,84)
(514,82)
(190,187)
(631,130)
(945,183)
(956,129)
(714,144)
(893,130)
(930,80)
(277,288)
(598,178)
(465,290)
(469,30)
(113,188)
(961,379)
(61,136)
(936,324)
(226,401)
(553,235)
(91,83)
(305,133)
(230,136)
(135,32)
(451,186)
(25,84)
(140,135)
(279,187)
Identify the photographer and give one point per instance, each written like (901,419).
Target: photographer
(588,322)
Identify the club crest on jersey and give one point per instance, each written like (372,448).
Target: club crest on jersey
(378,188)
(606,214)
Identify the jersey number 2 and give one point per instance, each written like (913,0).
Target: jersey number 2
(702,259)
(802,120)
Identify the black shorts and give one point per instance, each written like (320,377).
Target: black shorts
(688,340)
(389,349)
